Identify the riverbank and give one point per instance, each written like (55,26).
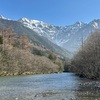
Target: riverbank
(5,73)
(93,85)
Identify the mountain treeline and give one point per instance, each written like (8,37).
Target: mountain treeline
(86,62)
(19,55)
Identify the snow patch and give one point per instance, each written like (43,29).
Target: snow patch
(95,25)
(2,17)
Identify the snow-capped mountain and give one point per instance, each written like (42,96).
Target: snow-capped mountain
(53,33)
(2,17)
(69,37)
(43,29)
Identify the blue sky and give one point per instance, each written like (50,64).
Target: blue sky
(56,12)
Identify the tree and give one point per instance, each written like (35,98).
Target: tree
(24,42)
(51,56)
(1,40)
(7,35)
(59,63)
(87,61)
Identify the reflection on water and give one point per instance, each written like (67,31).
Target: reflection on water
(65,86)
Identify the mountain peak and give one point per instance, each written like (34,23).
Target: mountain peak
(24,20)
(1,17)
(95,20)
(79,23)
(95,23)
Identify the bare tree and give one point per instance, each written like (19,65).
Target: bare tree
(87,61)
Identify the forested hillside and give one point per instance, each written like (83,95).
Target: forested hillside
(19,55)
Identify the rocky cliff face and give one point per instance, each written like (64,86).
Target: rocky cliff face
(70,37)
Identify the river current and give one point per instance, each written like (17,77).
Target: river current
(62,86)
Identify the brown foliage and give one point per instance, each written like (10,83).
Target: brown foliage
(87,61)
(16,58)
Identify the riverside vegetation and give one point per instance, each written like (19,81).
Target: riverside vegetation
(19,55)
(86,63)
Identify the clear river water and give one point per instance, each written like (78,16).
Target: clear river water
(62,86)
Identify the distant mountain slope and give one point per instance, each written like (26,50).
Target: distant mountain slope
(19,28)
(68,37)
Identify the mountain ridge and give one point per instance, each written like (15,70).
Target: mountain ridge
(68,37)
(19,28)
(64,36)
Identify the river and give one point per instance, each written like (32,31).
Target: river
(62,86)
